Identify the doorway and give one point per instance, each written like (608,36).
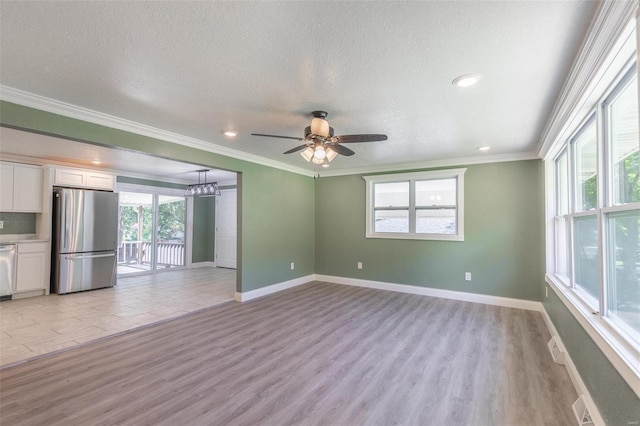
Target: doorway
(152,229)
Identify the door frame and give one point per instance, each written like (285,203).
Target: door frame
(156,191)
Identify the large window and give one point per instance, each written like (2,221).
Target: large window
(423,205)
(597,209)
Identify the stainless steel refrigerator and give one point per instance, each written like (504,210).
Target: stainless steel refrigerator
(85,240)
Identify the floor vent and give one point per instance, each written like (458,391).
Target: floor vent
(582,412)
(556,353)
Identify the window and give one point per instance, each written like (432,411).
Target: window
(422,205)
(597,209)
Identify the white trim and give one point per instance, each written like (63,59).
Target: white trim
(371,180)
(42,103)
(273,288)
(507,302)
(462,161)
(578,384)
(624,358)
(608,26)
(206,264)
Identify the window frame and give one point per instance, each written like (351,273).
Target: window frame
(622,345)
(412,178)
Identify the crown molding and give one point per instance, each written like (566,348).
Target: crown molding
(419,165)
(609,24)
(32,100)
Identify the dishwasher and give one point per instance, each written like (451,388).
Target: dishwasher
(7,270)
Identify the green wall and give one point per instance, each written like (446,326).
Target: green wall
(616,401)
(147,182)
(502,226)
(276,208)
(204,229)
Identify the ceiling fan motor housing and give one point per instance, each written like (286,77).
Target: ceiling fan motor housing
(307,131)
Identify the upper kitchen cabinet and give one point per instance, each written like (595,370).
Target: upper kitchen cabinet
(20,188)
(79,178)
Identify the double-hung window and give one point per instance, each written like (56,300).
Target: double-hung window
(421,205)
(597,209)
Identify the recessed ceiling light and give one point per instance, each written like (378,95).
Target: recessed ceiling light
(230,133)
(96,162)
(466,80)
(484,148)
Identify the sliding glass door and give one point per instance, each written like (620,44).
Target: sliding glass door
(170,243)
(152,231)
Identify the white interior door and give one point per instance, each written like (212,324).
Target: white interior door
(226,229)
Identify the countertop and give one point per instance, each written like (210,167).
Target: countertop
(21,238)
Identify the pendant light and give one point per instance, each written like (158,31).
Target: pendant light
(203,189)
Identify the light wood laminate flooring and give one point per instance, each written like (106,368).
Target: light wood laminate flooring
(317,354)
(39,325)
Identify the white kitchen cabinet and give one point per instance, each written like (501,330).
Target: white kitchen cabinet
(30,272)
(6,187)
(78,178)
(20,188)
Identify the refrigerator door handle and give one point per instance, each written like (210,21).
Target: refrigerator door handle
(65,220)
(88,256)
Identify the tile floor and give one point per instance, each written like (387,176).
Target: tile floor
(38,325)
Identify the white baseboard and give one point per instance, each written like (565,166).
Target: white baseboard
(274,288)
(581,388)
(203,265)
(529,305)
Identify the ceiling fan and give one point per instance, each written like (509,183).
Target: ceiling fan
(320,145)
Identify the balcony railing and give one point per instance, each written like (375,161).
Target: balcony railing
(168,254)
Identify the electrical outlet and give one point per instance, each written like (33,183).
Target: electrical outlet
(359,265)
(1,224)
(293,266)
(546,292)
(467,276)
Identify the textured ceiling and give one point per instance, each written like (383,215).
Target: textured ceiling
(197,68)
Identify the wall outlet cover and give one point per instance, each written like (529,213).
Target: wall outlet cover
(359,265)
(467,276)
(293,266)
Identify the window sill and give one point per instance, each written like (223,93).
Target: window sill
(623,355)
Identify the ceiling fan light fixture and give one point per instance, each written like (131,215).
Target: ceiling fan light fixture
(320,127)
(331,154)
(319,153)
(307,154)
(315,160)
(466,80)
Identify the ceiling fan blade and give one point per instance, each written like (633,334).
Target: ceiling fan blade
(296,149)
(358,138)
(343,150)
(276,136)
